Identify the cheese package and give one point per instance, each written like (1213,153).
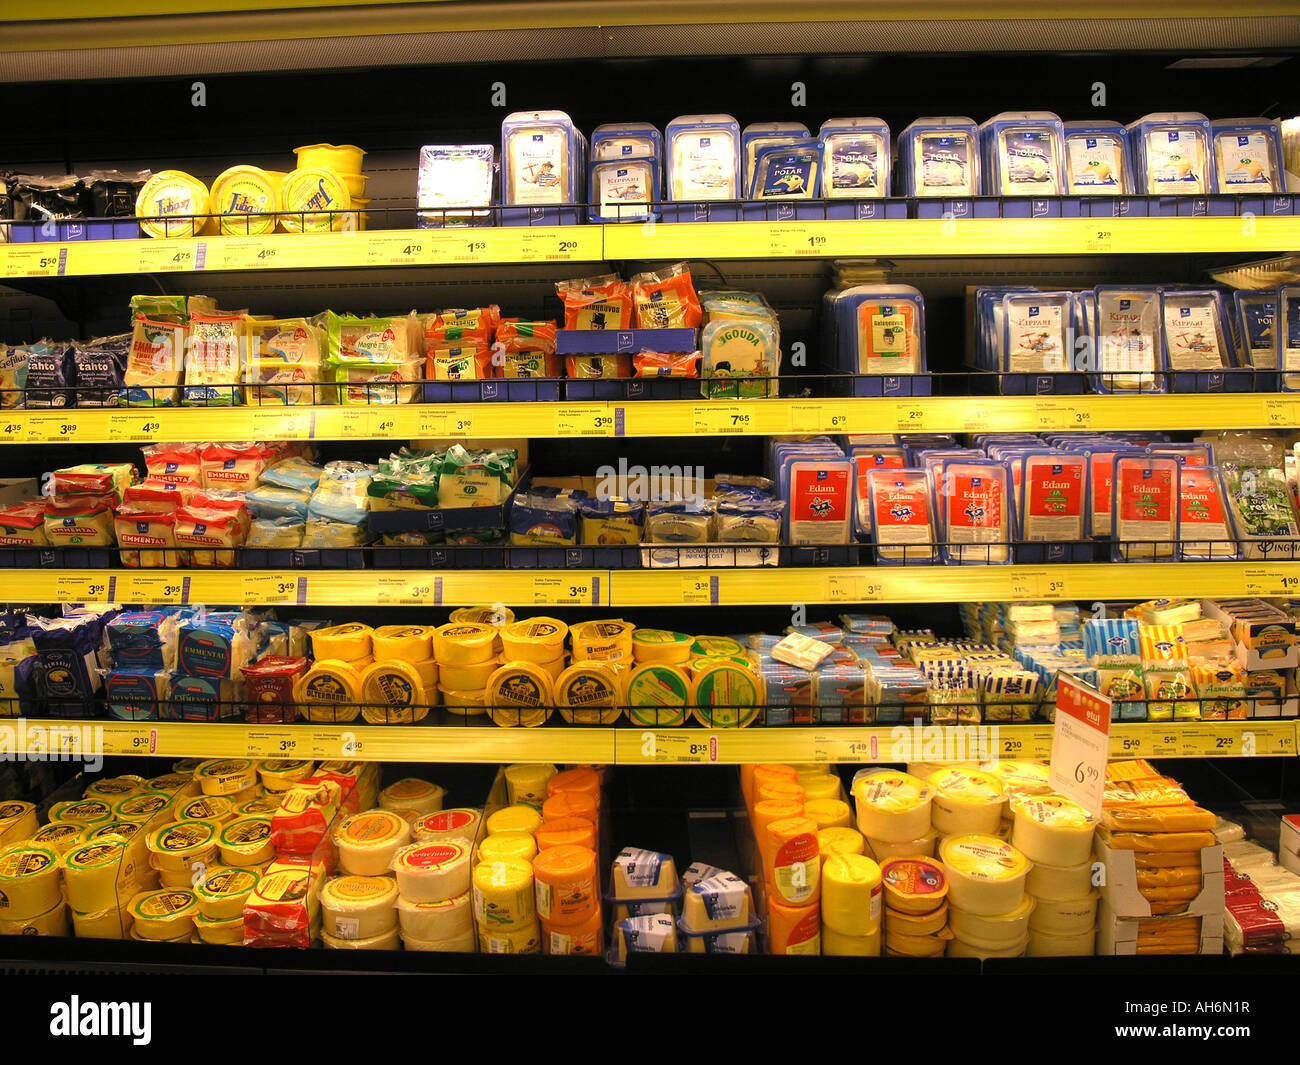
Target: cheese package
(284,908)
(1024,154)
(726,694)
(852,894)
(741,358)
(247,842)
(627,140)
(1144,507)
(794,929)
(657,694)
(412,794)
(166,915)
(216,354)
(974,511)
(819,494)
(29,881)
(541,159)
(879,329)
(892,806)
(648,934)
(622,190)
(223,890)
(787,172)
(1206,531)
(368,842)
(1052,830)
(1052,497)
(643,874)
(502,896)
(1247,156)
(519,693)
(155,364)
(588,693)
(965,800)
(940,157)
(855,158)
(316,199)
(1097,161)
(1171,154)
(172,203)
(900,518)
(436,921)
(246,199)
(1196,330)
(284,362)
(510,819)
(454,186)
(703,158)
(757,137)
(359,907)
(1129,340)
(433,872)
(717,903)
(791,861)
(567,885)
(986,876)
(461,823)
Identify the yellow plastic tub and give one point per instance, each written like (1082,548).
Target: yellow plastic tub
(342,158)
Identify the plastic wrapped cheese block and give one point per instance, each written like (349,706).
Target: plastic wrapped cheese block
(347,642)
(517,845)
(892,806)
(791,861)
(653,933)
(223,891)
(513,819)
(985,875)
(840,841)
(384,941)
(852,894)
(1052,830)
(717,903)
(163,915)
(643,874)
(53,922)
(359,907)
(836,944)
(965,800)
(1065,917)
(368,842)
(913,885)
(502,896)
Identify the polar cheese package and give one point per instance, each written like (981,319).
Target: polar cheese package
(1247,156)
(1172,154)
(940,157)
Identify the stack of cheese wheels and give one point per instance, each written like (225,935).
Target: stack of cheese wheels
(718,913)
(400,686)
(174,848)
(657,690)
(567,889)
(221,894)
(504,892)
(466,656)
(1051,831)
(893,813)
(792,871)
(331,691)
(965,800)
(851,906)
(646,896)
(31,900)
(916,907)
(989,911)
(359,913)
(18,821)
(593,689)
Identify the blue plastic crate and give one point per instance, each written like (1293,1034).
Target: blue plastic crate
(701,212)
(1212,381)
(558,215)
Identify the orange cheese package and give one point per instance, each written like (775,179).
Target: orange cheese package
(1170,876)
(176,463)
(23,525)
(597,367)
(460,328)
(468,363)
(666,299)
(1145,791)
(666,364)
(527,348)
(1131,769)
(283,910)
(304,817)
(1155,841)
(1157,819)
(596,302)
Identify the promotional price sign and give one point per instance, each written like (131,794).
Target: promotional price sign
(1080,743)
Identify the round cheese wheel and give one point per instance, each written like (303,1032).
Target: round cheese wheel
(589,693)
(436,921)
(368,842)
(716,647)
(347,642)
(502,896)
(61,836)
(1056,882)
(129,832)
(106,924)
(172,203)
(457,823)
(583,780)
(359,907)
(828,813)
(433,872)
(583,939)
(514,819)
(496,615)
(1052,829)
(566,885)
(53,922)
(427,670)
(992,930)
(985,875)
(408,643)
(1021,778)
(917,924)
(262,805)
(753,775)
(661,646)
(315,200)
(792,863)
(169,783)
(329,692)
(1046,945)
(526,784)
(780,791)
(246,198)
(570,804)
(84,812)
(465,943)
(840,841)
(225,931)
(180,880)
(518,845)
(764,814)
(225,776)
(657,695)
(726,694)
(463,643)
(526,939)
(173,846)
(205,808)
(821,786)
(280,774)
(836,944)
(469,677)
(601,641)
(965,800)
(962,948)
(411,793)
(892,806)
(390,693)
(852,896)
(223,891)
(247,841)
(108,788)
(553,669)
(465,703)
(165,914)
(1064,917)
(539,639)
(93,875)
(384,941)
(913,885)
(519,694)
(882,850)
(29,881)
(794,929)
(566,831)
(902,945)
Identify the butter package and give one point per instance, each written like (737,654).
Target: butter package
(1171,154)
(454,186)
(1097,159)
(1023,154)
(703,158)
(154,365)
(1130,340)
(541,159)
(901,518)
(940,157)
(787,172)
(974,511)
(855,158)
(880,329)
(1247,156)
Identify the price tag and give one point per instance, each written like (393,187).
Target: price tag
(720,420)
(700,590)
(52,428)
(975,419)
(843,587)
(1080,743)
(1282,413)
(38,260)
(1284,580)
(135,427)
(909,418)
(1076,417)
(268,588)
(595,420)
(14,431)
(460,424)
(155,589)
(853,746)
(139,741)
(789,241)
(807,418)
(1011,746)
(572,590)
(1131,745)
(695,748)
(364,422)
(271,743)
(560,244)
(69,588)
(431,423)
(1161,743)
(402,591)
(1099,241)
(400,249)
(165,256)
(1027,584)
(280,424)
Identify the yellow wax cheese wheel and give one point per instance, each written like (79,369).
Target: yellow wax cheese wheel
(348,642)
(526,939)
(892,806)
(521,846)
(457,823)
(905,946)
(406,642)
(502,896)
(553,668)
(913,885)
(726,694)
(1052,829)
(129,832)
(716,647)
(246,198)
(994,931)
(985,874)
(359,907)
(61,836)
(539,639)
(588,693)
(106,924)
(29,881)
(411,793)
(496,616)
(226,776)
(169,783)
(1022,778)
(247,841)
(427,670)
(108,788)
(526,784)
(315,200)
(186,765)
(436,921)
(223,891)
(85,812)
(519,693)
(94,874)
(463,643)
(821,785)
(164,914)
(601,641)
(171,203)
(471,677)
(205,808)
(392,694)
(181,879)
(828,813)
(661,646)
(368,842)
(433,872)
(965,800)
(836,944)
(226,931)
(840,841)
(53,922)
(140,808)
(657,695)
(172,846)
(515,819)
(917,924)
(280,774)
(329,692)
(18,821)
(465,703)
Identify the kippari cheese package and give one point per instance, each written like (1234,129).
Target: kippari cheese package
(1196,330)
(703,158)
(1129,339)
(541,159)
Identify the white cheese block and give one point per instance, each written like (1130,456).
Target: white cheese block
(451,919)
(412,794)
(459,823)
(1053,882)
(642,874)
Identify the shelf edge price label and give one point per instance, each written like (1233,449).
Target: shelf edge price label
(431,423)
(696,748)
(845,587)
(1080,743)
(52,428)
(460,424)
(698,591)
(1099,241)
(269,588)
(831,748)
(280,424)
(1028,584)
(727,420)
(1076,418)
(584,421)
(1255,582)
(807,418)
(69,589)
(566,591)
(909,418)
(1282,413)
